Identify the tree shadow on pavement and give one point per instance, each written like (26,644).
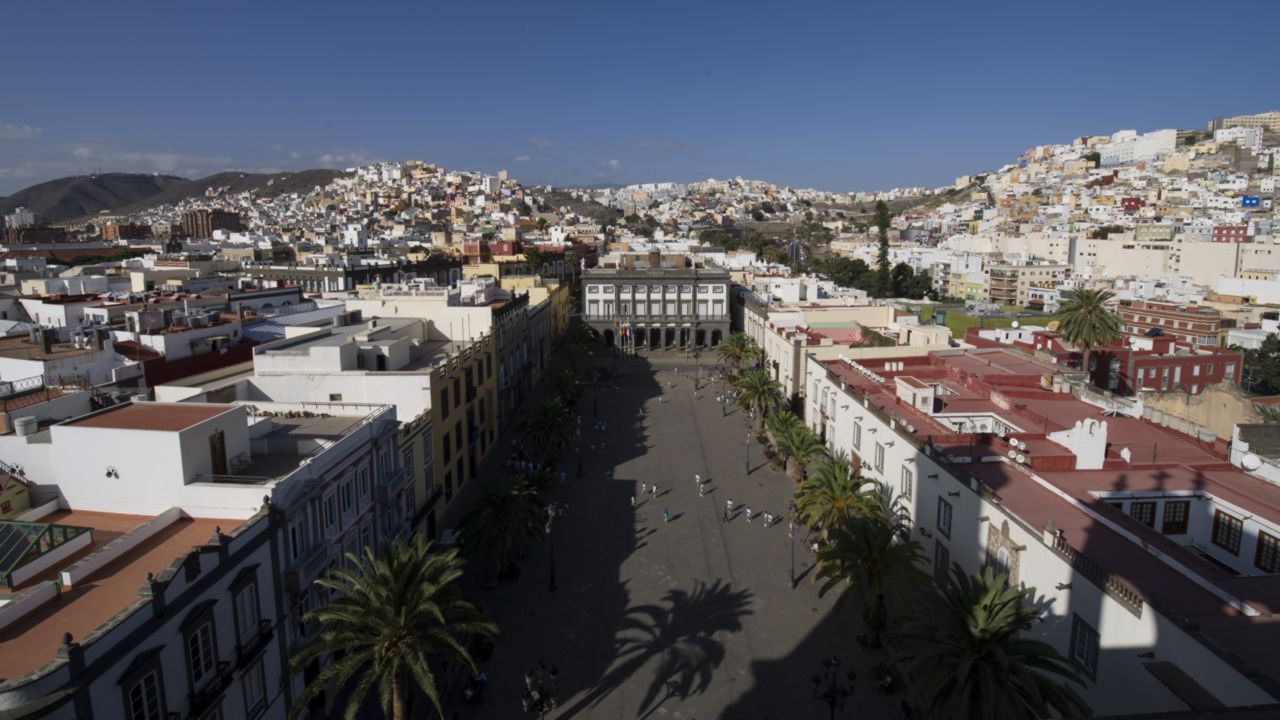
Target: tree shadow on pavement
(680,634)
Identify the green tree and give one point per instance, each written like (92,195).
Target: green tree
(799,446)
(549,425)
(867,557)
(392,613)
(832,494)
(1261,371)
(758,215)
(504,516)
(884,281)
(738,349)
(758,393)
(1086,321)
(542,224)
(963,647)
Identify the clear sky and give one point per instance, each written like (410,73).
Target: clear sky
(842,95)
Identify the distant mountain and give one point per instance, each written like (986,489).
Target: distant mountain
(83,196)
(264,185)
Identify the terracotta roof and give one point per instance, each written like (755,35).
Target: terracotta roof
(168,417)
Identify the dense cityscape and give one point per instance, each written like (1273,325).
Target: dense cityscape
(662,361)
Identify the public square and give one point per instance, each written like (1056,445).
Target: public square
(694,618)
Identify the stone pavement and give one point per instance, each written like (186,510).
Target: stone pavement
(690,619)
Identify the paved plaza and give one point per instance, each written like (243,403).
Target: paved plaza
(692,618)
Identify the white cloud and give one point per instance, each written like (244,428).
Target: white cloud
(19,132)
(541,143)
(82,153)
(341,159)
(522,158)
(613,165)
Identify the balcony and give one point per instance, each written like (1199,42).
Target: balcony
(301,573)
(250,650)
(204,698)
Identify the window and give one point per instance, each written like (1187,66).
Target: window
(201,655)
(941,561)
(254,682)
(143,699)
(879,457)
(857,435)
(1144,512)
(246,607)
(1229,372)
(335,397)
(1267,556)
(907,479)
(444,403)
(330,514)
(1175,517)
(347,497)
(944,517)
(1084,645)
(1227,531)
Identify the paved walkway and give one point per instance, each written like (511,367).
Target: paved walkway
(692,618)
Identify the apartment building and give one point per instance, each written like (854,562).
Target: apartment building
(1009,284)
(203,222)
(173,546)
(1123,527)
(445,391)
(657,301)
(1191,324)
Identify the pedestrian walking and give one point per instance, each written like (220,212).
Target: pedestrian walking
(655,490)
(666,516)
(728,505)
(633,502)
(644,488)
(748,508)
(697,479)
(702,489)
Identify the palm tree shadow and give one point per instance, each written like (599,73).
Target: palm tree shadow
(680,633)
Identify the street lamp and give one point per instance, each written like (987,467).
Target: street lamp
(748,447)
(553,510)
(791,534)
(541,691)
(827,687)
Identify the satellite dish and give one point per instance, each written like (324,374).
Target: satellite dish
(1015,324)
(1022,459)
(1052,326)
(1013,454)
(1250,462)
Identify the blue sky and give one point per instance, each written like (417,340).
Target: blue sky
(835,95)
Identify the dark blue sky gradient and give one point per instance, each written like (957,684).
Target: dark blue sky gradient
(836,95)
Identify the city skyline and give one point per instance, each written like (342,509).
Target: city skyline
(829,97)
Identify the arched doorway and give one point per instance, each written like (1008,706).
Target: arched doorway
(715,338)
(655,338)
(670,337)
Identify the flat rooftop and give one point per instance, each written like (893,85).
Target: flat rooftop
(166,417)
(31,642)
(20,347)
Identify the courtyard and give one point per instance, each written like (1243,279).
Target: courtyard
(691,618)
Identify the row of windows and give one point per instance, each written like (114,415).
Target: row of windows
(144,696)
(593,289)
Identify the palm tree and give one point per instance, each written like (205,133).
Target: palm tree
(1087,322)
(549,425)
(779,424)
(738,348)
(759,393)
(865,553)
(799,445)
(391,615)
(832,494)
(503,516)
(962,645)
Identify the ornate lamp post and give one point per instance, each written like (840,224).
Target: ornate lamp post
(541,691)
(827,687)
(553,510)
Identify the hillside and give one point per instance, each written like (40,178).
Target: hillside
(83,195)
(265,185)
